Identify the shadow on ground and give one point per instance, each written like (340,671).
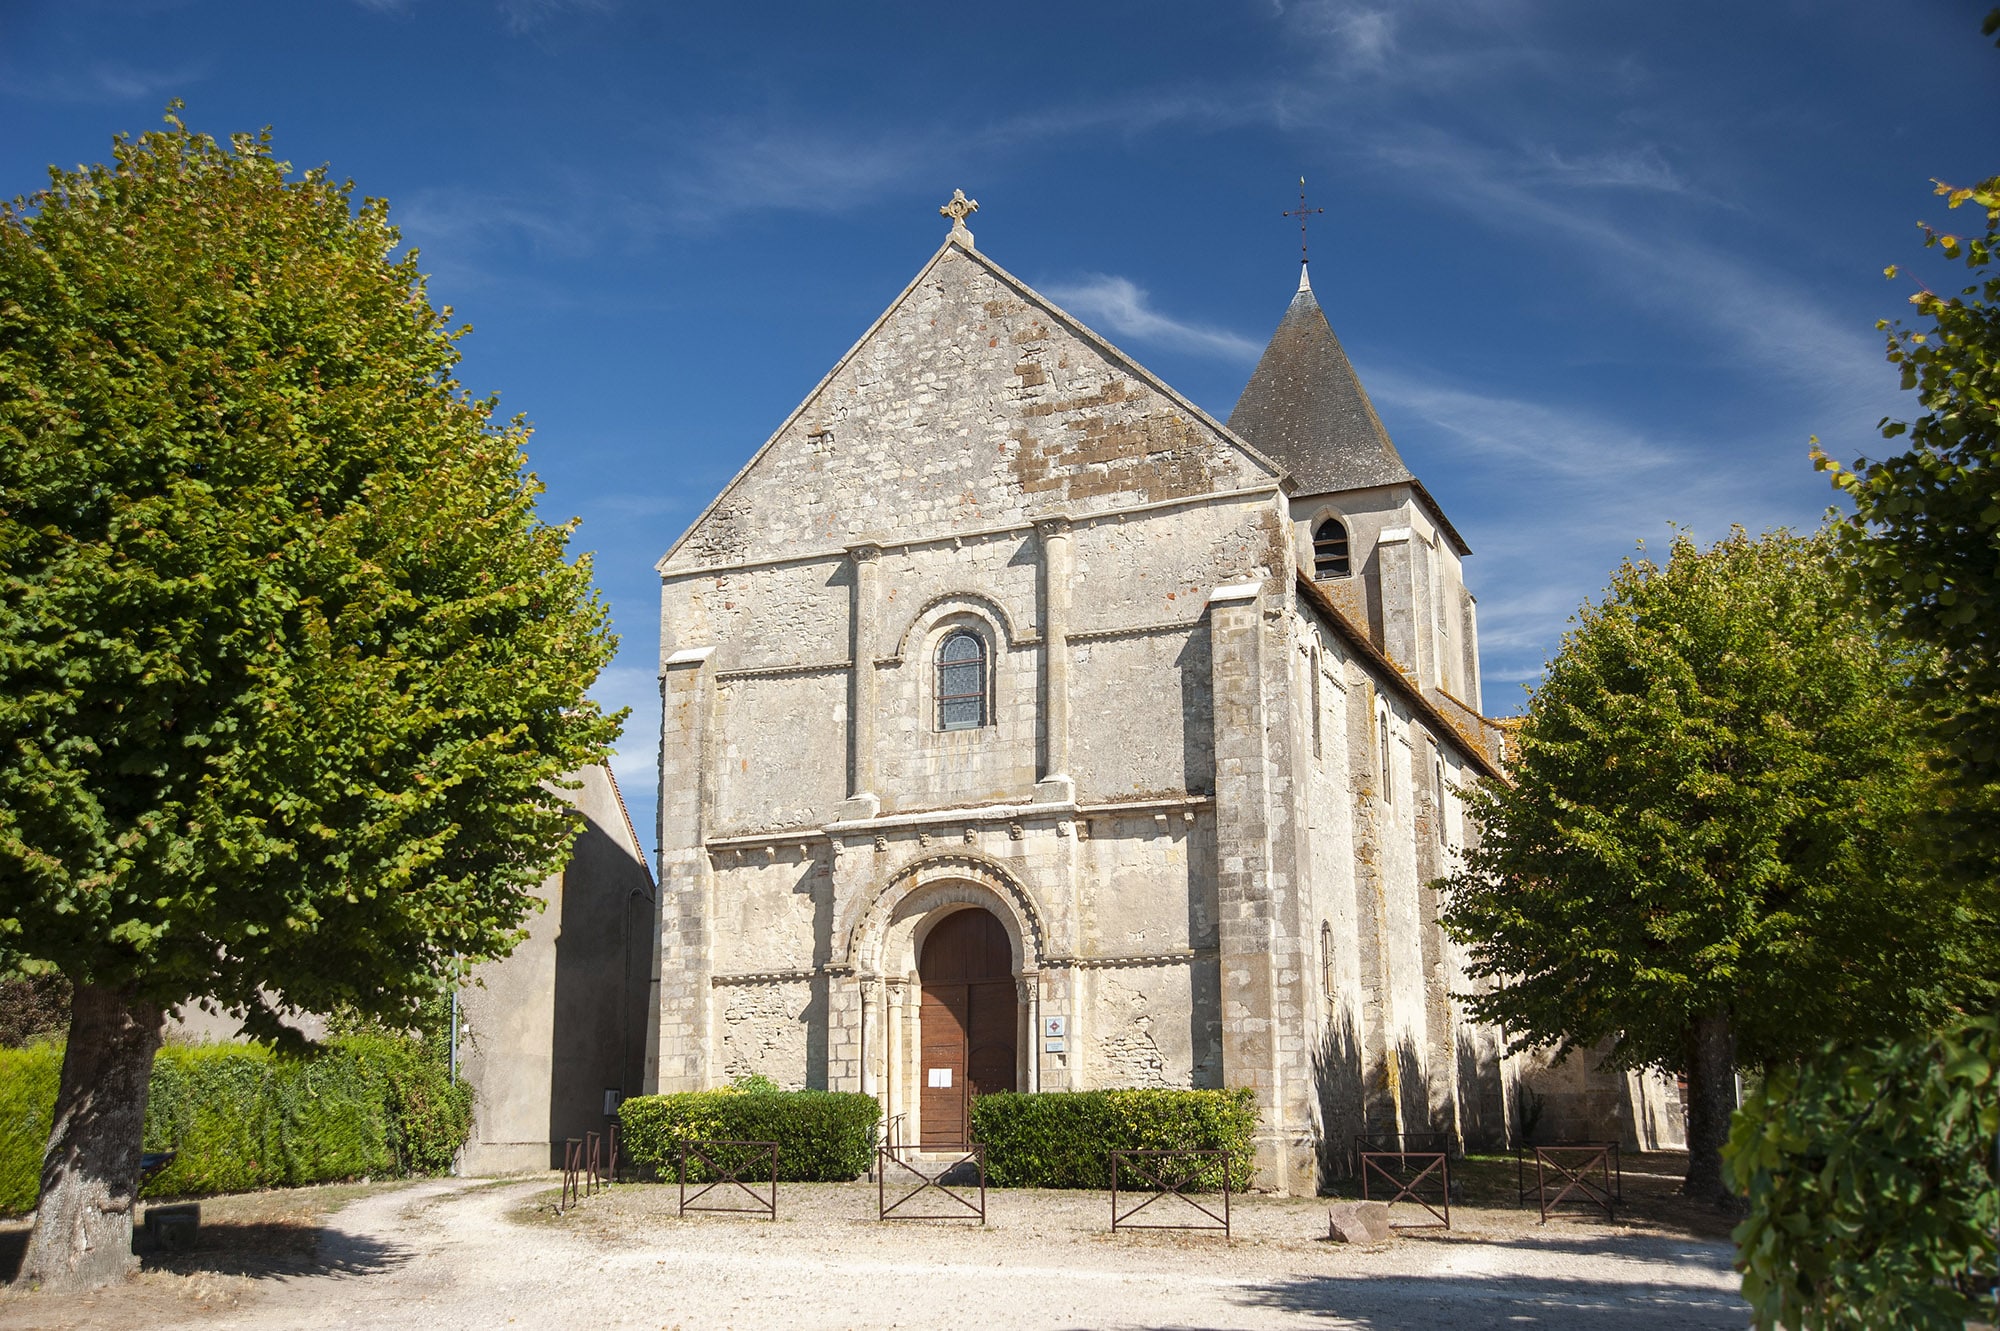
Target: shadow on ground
(1469,1303)
(246,1248)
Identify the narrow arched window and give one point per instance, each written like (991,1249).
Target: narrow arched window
(1388,786)
(1330,550)
(961,681)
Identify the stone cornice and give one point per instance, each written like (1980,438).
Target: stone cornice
(982,815)
(835,553)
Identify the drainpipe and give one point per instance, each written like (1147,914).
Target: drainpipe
(451,1056)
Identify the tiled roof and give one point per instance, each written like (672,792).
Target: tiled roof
(1478,737)
(1305,408)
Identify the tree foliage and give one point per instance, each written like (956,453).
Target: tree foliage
(1924,540)
(287,661)
(1703,823)
(1873,1185)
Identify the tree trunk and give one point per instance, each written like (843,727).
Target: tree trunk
(90,1173)
(1711,1079)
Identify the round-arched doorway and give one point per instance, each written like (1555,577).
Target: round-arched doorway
(970,1022)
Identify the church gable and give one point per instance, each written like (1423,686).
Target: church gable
(973,403)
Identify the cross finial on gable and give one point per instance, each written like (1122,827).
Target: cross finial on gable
(958,210)
(1302,212)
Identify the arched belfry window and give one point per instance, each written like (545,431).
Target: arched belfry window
(1330,550)
(961,681)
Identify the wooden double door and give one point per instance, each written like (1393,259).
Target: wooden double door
(971,1018)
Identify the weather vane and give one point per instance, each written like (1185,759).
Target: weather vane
(1302,212)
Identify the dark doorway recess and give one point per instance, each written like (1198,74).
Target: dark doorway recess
(971,1016)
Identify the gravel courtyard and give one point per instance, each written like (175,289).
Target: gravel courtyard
(449,1254)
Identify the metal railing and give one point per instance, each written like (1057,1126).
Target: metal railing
(590,1165)
(958,1204)
(1523,1154)
(1171,1174)
(1403,1143)
(1570,1169)
(572,1175)
(1394,1169)
(728,1164)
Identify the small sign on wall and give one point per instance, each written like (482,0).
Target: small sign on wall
(939,1078)
(1053,1028)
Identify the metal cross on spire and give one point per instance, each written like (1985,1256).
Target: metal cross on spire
(1302,212)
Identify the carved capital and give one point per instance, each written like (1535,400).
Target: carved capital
(1051,527)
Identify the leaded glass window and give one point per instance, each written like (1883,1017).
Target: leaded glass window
(961,681)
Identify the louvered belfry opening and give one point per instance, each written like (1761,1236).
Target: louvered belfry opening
(970,1022)
(1330,550)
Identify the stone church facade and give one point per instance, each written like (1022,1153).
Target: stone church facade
(1026,728)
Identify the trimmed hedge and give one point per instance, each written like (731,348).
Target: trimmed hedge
(822,1136)
(240,1117)
(28,1081)
(1061,1139)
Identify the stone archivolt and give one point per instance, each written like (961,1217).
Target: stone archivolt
(882,937)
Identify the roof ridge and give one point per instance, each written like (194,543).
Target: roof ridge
(631,831)
(1412,692)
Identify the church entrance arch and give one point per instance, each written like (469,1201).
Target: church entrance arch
(970,1021)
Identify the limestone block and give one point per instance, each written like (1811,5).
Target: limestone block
(1359,1222)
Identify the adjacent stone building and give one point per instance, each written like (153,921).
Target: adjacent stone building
(553,1035)
(556,1033)
(1027,728)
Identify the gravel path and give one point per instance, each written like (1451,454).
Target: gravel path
(449,1254)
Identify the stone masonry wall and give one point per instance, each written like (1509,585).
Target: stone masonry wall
(1176,807)
(968,407)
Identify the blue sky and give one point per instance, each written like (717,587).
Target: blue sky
(1604,267)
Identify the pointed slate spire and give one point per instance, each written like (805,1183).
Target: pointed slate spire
(1305,408)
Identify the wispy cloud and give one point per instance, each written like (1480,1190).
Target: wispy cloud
(517,16)
(1357,37)
(728,167)
(1641,168)
(104,81)
(635,760)
(1430,44)
(1566,490)
(1576,445)
(437,214)
(1123,308)
(1766,321)
(743,167)
(526,15)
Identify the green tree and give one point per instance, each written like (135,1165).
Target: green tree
(1924,540)
(288,665)
(1874,1193)
(1698,855)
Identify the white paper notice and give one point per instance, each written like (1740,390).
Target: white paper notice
(940,1077)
